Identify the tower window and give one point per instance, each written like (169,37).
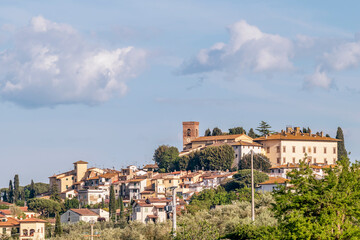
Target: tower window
(188,132)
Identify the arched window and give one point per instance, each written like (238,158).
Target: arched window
(32,232)
(25,232)
(188,133)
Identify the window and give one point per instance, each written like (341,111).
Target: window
(324,149)
(314,160)
(236,155)
(293,149)
(334,160)
(278,149)
(188,132)
(4,231)
(309,149)
(284,149)
(325,161)
(67,186)
(161,209)
(314,149)
(304,149)
(334,150)
(293,160)
(284,160)
(170,182)
(268,150)
(278,160)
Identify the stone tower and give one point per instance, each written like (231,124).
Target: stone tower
(190,132)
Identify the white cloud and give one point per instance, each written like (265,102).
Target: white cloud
(248,49)
(345,55)
(51,63)
(319,79)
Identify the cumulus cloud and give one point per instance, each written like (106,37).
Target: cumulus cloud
(51,63)
(319,79)
(344,56)
(248,49)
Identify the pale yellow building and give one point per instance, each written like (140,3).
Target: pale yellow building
(292,145)
(32,229)
(66,180)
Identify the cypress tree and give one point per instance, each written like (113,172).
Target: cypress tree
(112,203)
(16,188)
(341,145)
(11,193)
(4,196)
(58,229)
(55,193)
(32,190)
(121,208)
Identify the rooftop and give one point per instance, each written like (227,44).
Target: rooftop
(274,180)
(84,212)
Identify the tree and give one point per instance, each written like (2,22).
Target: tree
(112,203)
(45,207)
(264,128)
(217,157)
(121,204)
(306,130)
(207,132)
(216,132)
(71,203)
(166,157)
(242,179)
(341,145)
(237,130)
(4,196)
(261,162)
(252,134)
(194,161)
(325,208)
(16,188)
(32,190)
(54,191)
(58,229)
(11,192)
(102,203)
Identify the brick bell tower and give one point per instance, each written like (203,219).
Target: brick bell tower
(190,132)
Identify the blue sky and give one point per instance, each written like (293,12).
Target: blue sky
(107,82)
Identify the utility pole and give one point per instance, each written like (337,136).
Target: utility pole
(252,188)
(174,210)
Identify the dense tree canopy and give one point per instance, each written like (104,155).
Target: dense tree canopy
(261,162)
(207,132)
(252,134)
(216,131)
(217,158)
(320,208)
(166,157)
(44,206)
(237,130)
(243,179)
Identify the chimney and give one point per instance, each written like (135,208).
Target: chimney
(321,134)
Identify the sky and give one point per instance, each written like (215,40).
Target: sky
(107,82)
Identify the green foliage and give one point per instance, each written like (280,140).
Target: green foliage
(71,203)
(207,132)
(306,130)
(166,157)
(217,158)
(20,203)
(32,192)
(45,207)
(112,204)
(121,204)
(54,191)
(261,162)
(252,134)
(320,208)
(237,130)
(264,128)
(243,179)
(341,145)
(11,192)
(216,131)
(58,229)
(16,188)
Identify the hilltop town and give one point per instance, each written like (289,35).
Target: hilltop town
(145,194)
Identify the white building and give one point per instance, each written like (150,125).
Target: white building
(272,184)
(93,195)
(77,215)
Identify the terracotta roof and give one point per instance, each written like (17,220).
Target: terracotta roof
(81,162)
(274,180)
(84,212)
(213,176)
(11,222)
(2,216)
(108,175)
(158,200)
(93,178)
(152,216)
(142,204)
(244,143)
(31,220)
(69,190)
(160,206)
(147,192)
(5,203)
(151,166)
(297,137)
(137,180)
(215,138)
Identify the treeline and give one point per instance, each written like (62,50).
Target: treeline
(19,194)
(263,129)
(210,158)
